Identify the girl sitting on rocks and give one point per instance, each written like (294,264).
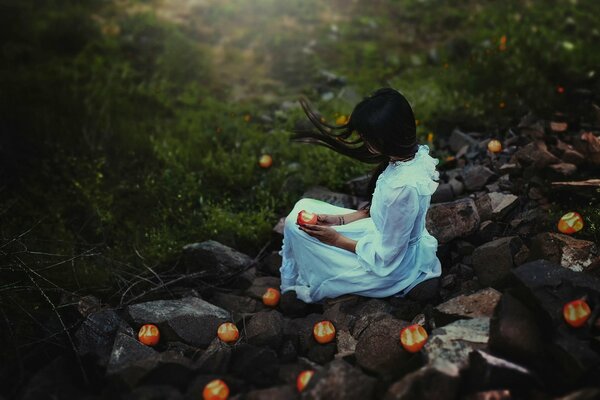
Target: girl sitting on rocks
(384,248)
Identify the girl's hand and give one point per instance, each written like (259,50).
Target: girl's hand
(328,219)
(324,233)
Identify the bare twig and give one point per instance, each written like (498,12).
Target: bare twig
(28,272)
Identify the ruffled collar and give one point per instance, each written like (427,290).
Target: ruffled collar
(420,171)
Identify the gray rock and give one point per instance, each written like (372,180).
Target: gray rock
(130,360)
(89,304)
(590,393)
(514,333)
(236,304)
(448,348)
(335,198)
(322,353)
(564,169)
(475,177)
(545,287)
(258,365)
(536,155)
(569,154)
(509,169)
(495,205)
(271,263)
(443,193)
(291,306)
(574,254)
(154,392)
(367,313)
(339,381)
(488,371)
(215,359)
(493,261)
(359,186)
(97,333)
(346,344)
(459,139)
(215,258)
(476,305)
(300,330)
(458,187)
(190,320)
(172,369)
(426,383)
(448,221)
(265,329)
(283,392)
(379,349)
(261,284)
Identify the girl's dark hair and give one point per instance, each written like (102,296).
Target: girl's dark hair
(383,119)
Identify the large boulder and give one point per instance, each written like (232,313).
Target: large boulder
(487,371)
(493,261)
(335,198)
(265,329)
(130,360)
(214,258)
(495,205)
(261,284)
(426,383)
(475,177)
(476,305)
(459,139)
(515,333)
(190,320)
(571,253)
(535,155)
(379,349)
(448,221)
(339,381)
(258,365)
(96,335)
(448,347)
(545,288)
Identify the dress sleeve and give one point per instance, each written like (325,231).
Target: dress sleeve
(377,250)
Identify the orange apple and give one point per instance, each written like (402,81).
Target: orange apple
(413,338)
(303,379)
(271,297)
(341,120)
(228,332)
(265,161)
(149,335)
(215,390)
(305,217)
(576,312)
(324,332)
(570,223)
(494,146)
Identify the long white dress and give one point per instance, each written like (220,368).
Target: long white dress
(394,250)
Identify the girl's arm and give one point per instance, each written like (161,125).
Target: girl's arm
(346,243)
(356,215)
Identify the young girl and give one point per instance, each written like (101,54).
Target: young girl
(383,249)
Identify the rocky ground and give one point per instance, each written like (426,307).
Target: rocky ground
(497,333)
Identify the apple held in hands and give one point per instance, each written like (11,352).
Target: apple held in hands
(305,217)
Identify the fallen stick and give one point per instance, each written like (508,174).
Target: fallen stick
(586,183)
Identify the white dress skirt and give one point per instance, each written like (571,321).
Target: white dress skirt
(394,250)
